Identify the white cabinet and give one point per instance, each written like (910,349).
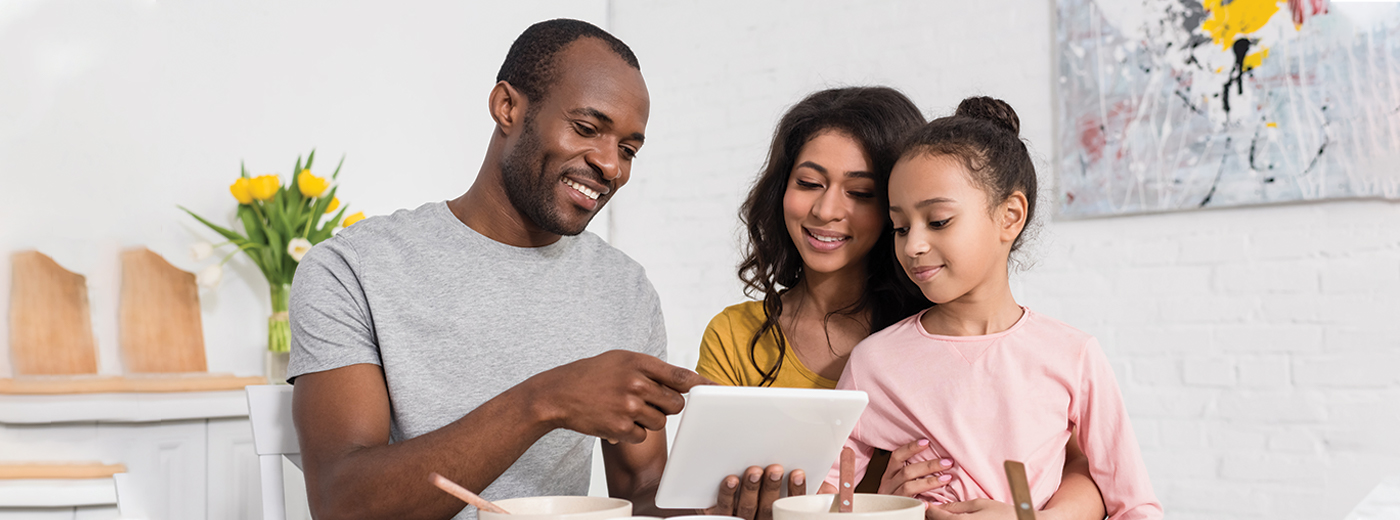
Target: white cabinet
(190,455)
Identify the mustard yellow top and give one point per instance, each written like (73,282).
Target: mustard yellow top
(724,352)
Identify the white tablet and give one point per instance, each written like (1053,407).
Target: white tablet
(725,429)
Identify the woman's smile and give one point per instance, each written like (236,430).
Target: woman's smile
(823,240)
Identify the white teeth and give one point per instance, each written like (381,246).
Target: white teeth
(827,239)
(582,189)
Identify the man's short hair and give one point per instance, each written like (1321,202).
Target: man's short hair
(530,64)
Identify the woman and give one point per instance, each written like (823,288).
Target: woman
(820,256)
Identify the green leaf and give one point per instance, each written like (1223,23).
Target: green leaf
(337,167)
(324,232)
(251,224)
(227,233)
(243,168)
(277,247)
(309,158)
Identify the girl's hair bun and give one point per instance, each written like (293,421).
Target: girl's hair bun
(991,109)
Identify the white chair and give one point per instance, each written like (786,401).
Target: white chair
(274,436)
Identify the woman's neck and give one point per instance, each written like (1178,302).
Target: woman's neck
(988,308)
(825,293)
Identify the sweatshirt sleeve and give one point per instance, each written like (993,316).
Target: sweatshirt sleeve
(1106,436)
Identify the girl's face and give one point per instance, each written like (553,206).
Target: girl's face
(948,240)
(832,206)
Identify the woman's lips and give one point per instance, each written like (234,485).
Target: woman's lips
(825,241)
(924,274)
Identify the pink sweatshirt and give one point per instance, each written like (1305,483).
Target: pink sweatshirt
(982,400)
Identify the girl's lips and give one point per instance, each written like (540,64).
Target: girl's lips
(924,274)
(821,245)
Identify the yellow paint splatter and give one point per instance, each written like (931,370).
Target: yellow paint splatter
(1229,20)
(1255,58)
(1271,124)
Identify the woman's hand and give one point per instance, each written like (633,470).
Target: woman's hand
(751,496)
(976,509)
(911,479)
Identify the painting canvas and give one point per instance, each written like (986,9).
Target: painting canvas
(1180,104)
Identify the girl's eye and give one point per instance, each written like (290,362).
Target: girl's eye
(939,224)
(901,231)
(584,130)
(808,185)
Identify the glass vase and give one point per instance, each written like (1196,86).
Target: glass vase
(279,335)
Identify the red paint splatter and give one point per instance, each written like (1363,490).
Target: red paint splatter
(1091,138)
(1304,9)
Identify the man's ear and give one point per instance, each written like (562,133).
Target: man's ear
(1013,216)
(507,107)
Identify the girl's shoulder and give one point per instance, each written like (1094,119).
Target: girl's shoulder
(1045,330)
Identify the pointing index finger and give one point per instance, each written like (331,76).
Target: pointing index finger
(672,376)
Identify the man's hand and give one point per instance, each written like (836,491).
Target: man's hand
(976,509)
(617,395)
(911,479)
(751,497)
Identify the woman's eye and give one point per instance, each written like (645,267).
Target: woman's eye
(862,194)
(939,224)
(584,130)
(805,184)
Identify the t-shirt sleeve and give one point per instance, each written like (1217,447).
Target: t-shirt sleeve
(716,362)
(1106,436)
(656,337)
(330,316)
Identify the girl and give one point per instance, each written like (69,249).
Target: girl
(978,377)
(821,257)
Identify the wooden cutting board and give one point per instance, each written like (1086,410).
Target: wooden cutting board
(50,323)
(159,318)
(64,470)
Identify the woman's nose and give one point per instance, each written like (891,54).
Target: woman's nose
(829,207)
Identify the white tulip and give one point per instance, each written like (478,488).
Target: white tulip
(210,276)
(298,247)
(201,250)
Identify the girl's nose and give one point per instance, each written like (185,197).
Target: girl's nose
(915,246)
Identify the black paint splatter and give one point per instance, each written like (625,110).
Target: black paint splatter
(1241,48)
(1218,174)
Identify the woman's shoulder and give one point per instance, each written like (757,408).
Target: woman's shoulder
(747,315)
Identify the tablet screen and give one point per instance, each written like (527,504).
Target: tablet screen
(725,429)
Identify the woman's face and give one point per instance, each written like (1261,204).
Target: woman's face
(833,208)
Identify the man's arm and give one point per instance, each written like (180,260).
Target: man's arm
(343,415)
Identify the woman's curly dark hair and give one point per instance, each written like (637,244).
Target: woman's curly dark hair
(877,118)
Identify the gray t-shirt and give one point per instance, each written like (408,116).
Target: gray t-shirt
(455,318)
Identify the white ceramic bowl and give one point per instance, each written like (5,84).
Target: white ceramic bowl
(866,506)
(560,508)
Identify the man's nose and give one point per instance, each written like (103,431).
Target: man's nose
(607,161)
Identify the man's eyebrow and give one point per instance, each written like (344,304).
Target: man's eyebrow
(600,116)
(932,201)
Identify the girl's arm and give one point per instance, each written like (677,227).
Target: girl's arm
(1078,497)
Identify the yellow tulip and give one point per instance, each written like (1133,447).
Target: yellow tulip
(353,218)
(335,203)
(311,185)
(240,191)
(263,187)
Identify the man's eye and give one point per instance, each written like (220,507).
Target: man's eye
(939,224)
(584,130)
(629,153)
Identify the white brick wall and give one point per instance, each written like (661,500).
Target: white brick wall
(1258,349)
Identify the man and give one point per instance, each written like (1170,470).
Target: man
(488,338)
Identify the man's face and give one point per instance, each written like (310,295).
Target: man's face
(575,147)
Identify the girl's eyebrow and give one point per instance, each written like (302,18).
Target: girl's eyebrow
(935,200)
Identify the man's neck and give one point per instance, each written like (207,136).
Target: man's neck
(487,210)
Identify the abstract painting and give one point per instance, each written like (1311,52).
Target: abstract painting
(1178,104)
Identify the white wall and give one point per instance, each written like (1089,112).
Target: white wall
(114,112)
(1257,347)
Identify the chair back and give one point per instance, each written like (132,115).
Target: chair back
(274,436)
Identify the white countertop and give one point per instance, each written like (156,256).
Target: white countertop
(122,407)
(58,492)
